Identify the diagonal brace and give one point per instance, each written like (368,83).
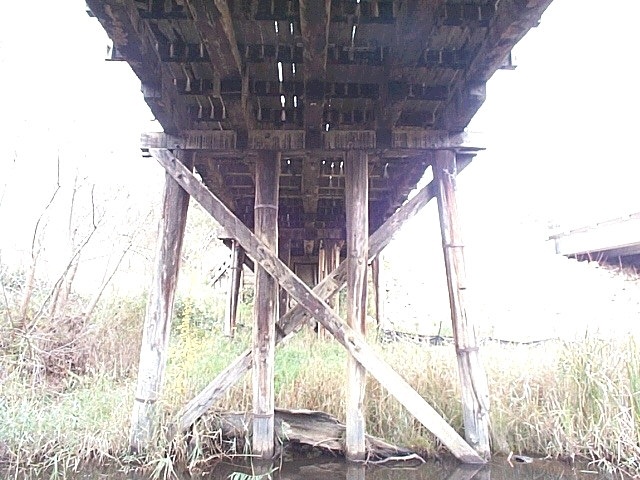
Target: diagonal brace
(291,321)
(348,338)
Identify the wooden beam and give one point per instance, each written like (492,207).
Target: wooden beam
(322,273)
(214,179)
(157,322)
(214,22)
(357,212)
(310,190)
(265,307)
(333,262)
(284,254)
(315,19)
(414,23)
(511,21)
(135,43)
(311,233)
(379,289)
(235,275)
(462,107)
(396,89)
(475,391)
(316,307)
(317,430)
(293,319)
(463,14)
(403,142)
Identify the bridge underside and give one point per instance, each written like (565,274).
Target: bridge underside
(302,126)
(615,242)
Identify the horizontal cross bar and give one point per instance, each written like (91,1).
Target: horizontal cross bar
(227,141)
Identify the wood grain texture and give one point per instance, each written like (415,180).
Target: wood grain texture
(235,276)
(315,306)
(475,391)
(265,305)
(157,321)
(293,319)
(357,203)
(301,427)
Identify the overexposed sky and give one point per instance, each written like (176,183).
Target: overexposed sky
(560,128)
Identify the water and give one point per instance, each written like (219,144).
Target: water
(335,469)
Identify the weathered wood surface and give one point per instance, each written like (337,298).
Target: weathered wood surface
(357,209)
(475,391)
(265,305)
(157,322)
(333,262)
(284,253)
(215,26)
(322,273)
(297,316)
(315,18)
(235,276)
(303,427)
(403,142)
(379,289)
(314,305)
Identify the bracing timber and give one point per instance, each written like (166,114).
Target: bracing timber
(317,308)
(310,122)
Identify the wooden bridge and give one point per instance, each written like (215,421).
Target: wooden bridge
(302,126)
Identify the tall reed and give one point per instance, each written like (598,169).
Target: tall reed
(565,400)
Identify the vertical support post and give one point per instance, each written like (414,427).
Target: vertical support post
(235,276)
(322,272)
(322,261)
(357,211)
(475,392)
(265,311)
(284,254)
(157,321)
(377,265)
(333,260)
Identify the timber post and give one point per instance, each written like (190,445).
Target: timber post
(475,392)
(312,304)
(323,268)
(356,201)
(333,260)
(284,254)
(157,321)
(265,313)
(379,289)
(235,276)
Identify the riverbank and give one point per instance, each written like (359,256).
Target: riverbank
(578,400)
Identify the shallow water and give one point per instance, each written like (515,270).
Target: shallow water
(335,469)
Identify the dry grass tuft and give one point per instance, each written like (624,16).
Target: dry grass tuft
(566,400)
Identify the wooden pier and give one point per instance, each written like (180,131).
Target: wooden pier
(301,126)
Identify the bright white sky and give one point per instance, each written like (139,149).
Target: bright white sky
(559,129)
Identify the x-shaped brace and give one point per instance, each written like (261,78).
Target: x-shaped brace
(311,303)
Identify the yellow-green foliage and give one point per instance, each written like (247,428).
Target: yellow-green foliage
(565,400)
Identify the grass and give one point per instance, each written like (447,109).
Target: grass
(564,400)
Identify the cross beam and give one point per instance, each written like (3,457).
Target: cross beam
(315,306)
(291,321)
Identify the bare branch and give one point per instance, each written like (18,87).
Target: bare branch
(6,301)
(70,263)
(91,306)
